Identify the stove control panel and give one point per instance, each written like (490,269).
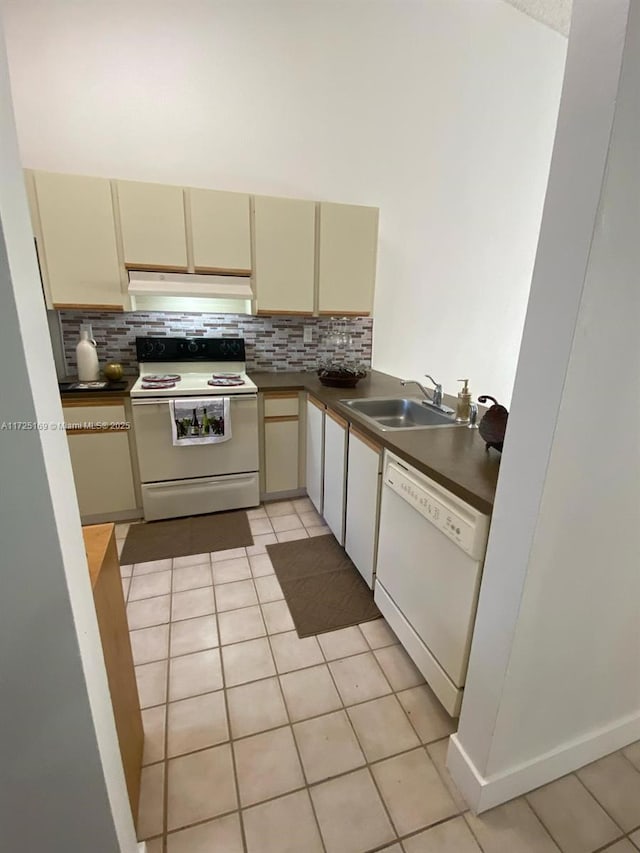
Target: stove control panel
(190,349)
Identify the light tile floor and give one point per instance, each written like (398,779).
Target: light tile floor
(259,742)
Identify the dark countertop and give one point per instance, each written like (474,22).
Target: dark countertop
(93,395)
(456,458)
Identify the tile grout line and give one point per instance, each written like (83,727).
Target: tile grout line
(234,765)
(293,736)
(367,764)
(326,662)
(421,743)
(542,824)
(272,633)
(473,835)
(297,749)
(355,734)
(591,794)
(393,692)
(233,740)
(165,789)
(615,841)
(407,836)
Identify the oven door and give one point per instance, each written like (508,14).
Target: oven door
(159,460)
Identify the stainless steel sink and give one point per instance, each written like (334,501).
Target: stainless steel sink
(388,413)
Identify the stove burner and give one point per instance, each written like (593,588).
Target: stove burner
(157,384)
(165,377)
(225,381)
(237,376)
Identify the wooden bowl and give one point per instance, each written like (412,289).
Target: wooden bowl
(338,379)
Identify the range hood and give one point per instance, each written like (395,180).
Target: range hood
(192,285)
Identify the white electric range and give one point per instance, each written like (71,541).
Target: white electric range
(196,478)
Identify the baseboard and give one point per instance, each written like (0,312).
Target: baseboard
(482,793)
(283,496)
(115,517)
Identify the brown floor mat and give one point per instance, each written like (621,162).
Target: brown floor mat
(180,537)
(322,587)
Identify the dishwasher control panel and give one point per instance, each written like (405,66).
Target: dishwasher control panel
(464,526)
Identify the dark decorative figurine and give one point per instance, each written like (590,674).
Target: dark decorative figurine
(494,424)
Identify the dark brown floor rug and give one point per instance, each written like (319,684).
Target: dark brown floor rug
(180,537)
(322,587)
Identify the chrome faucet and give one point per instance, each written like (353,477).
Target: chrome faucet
(437,392)
(436,395)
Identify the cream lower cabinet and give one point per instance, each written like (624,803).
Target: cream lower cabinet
(281,442)
(363,503)
(101,461)
(75,231)
(335,473)
(315,452)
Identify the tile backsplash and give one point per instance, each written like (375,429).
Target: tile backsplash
(272,343)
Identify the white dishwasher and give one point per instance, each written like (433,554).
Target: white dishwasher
(430,554)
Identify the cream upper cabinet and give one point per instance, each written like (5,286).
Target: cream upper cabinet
(152,223)
(347,254)
(284,255)
(77,240)
(220,231)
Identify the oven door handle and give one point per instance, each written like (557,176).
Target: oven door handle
(233,398)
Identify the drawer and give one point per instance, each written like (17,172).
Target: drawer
(92,414)
(277,406)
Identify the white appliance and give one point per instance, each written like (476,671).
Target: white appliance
(142,283)
(430,554)
(195,479)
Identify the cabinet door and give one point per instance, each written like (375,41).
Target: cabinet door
(78,248)
(285,255)
(101,461)
(363,501)
(335,471)
(153,226)
(347,255)
(281,455)
(315,453)
(220,230)
(281,442)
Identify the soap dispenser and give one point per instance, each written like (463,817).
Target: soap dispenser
(463,407)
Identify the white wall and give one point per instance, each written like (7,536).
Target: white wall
(554,675)
(442,112)
(62,783)
(553,13)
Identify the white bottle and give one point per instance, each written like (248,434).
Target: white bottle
(87,358)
